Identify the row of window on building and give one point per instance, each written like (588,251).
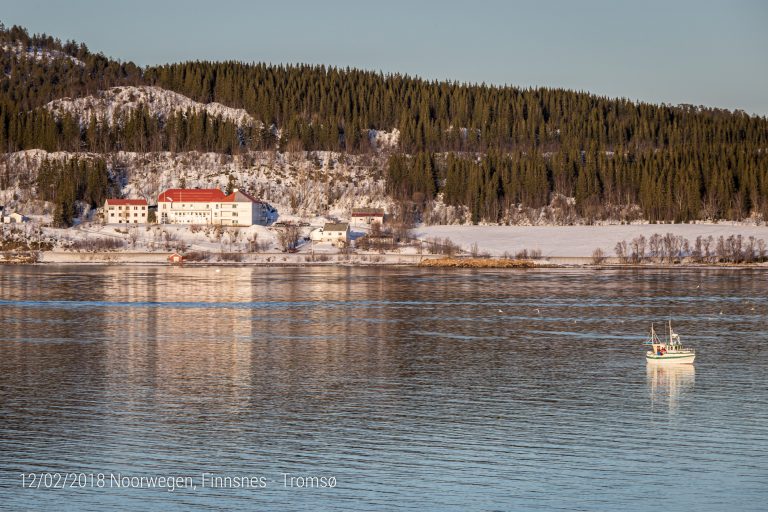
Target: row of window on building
(192,206)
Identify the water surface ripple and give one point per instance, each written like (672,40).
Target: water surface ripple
(415,389)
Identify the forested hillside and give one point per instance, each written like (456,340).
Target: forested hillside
(489,149)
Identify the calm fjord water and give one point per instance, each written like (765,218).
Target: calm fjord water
(414,389)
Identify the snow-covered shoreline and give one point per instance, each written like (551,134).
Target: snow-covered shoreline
(233,259)
(65,259)
(551,245)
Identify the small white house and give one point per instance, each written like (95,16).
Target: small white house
(364,217)
(336,233)
(125,211)
(316,235)
(13,218)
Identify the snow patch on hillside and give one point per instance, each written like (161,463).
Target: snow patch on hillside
(381,139)
(113,103)
(39,54)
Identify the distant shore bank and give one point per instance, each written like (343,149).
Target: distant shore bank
(361,260)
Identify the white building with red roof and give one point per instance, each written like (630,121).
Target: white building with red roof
(210,206)
(125,211)
(364,217)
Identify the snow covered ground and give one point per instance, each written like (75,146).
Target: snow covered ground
(573,241)
(171,237)
(298,184)
(107,105)
(381,139)
(88,237)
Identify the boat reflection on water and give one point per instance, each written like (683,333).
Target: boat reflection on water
(668,384)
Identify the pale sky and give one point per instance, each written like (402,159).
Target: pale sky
(703,52)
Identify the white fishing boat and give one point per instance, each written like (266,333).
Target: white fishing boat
(669,351)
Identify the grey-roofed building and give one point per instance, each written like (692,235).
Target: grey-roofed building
(337,233)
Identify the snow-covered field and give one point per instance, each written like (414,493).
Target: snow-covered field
(573,241)
(89,237)
(171,237)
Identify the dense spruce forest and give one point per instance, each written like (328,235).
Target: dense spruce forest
(489,148)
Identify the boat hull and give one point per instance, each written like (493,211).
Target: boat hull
(670,358)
